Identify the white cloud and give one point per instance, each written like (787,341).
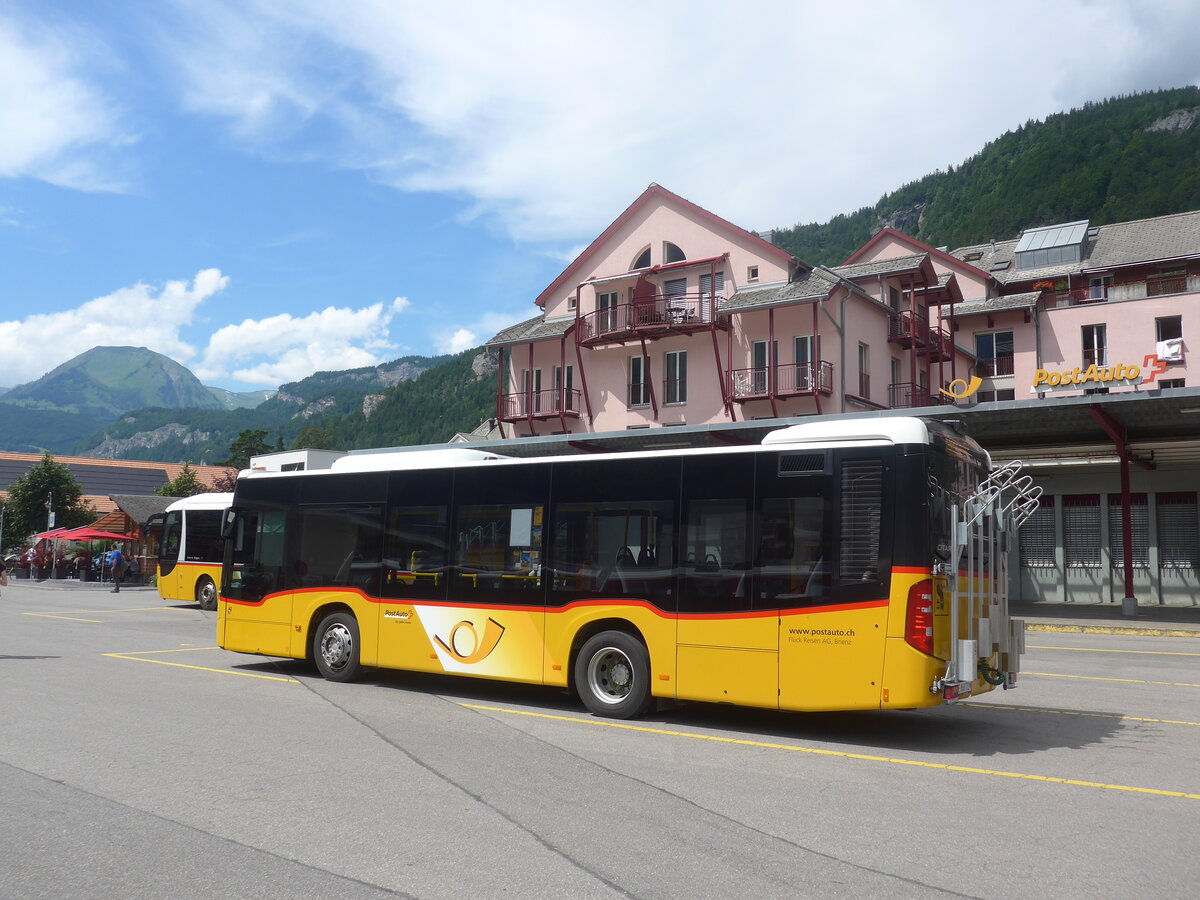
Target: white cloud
(767,114)
(138,315)
(282,348)
(56,124)
(400,304)
(462,339)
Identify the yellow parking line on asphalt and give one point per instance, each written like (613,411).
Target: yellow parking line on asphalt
(836,753)
(141,656)
(67,618)
(1106,650)
(1121,680)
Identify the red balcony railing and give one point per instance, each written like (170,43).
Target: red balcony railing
(910,330)
(674,314)
(906,395)
(789,379)
(996,367)
(540,404)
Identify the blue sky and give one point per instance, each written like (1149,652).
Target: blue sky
(261,190)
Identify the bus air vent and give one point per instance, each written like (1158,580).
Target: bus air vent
(802,464)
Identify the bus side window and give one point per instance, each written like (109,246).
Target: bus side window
(415,552)
(337,544)
(793,566)
(614,548)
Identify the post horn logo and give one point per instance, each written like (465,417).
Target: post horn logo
(476,649)
(960,389)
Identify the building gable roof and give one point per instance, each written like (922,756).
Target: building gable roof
(655,192)
(917,247)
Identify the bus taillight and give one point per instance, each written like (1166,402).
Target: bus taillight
(918,620)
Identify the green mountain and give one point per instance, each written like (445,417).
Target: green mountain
(204,436)
(1122,159)
(106,381)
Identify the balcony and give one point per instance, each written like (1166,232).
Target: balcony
(912,332)
(539,405)
(998,367)
(790,380)
(661,316)
(906,395)
(1134,290)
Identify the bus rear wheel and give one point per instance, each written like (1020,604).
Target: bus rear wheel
(206,593)
(612,675)
(336,648)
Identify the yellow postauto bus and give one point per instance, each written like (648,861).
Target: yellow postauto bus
(851,564)
(189,558)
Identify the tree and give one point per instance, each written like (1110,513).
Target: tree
(47,485)
(314,437)
(186,485)
(251,442)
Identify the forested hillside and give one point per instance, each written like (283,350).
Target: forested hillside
(1122,159)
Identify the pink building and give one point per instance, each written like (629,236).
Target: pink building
(674,316)
(1065,346)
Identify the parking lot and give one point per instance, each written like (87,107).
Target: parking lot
(139,760)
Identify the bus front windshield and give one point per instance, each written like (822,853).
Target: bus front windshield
(168,550)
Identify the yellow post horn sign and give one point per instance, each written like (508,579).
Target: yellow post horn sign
(960,389)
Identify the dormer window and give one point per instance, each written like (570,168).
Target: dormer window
(672,253)
(1051,246)
(643,260)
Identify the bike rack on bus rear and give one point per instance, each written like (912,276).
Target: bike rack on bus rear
(982,527)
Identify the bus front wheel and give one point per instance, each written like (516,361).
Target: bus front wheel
(206,593)
(335,647)
(612,675)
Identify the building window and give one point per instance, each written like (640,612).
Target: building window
(1098,286)
(864,371)
(994,351)
(643,260)
(532,388)
(1081,531)
(1168,328)
(1095,345)
(672,253)
(675,377)
(894,298)
(607,305)
(1172,383)
(752,273)
(1037,537)
(1178,530)
(572,302)
(760,374)
(639,382)
(564,392)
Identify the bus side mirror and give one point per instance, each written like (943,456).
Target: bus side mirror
(227,523)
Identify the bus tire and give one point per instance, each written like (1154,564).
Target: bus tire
(612,675)
(206,593)
(336,647)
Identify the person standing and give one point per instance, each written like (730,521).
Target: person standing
(117,561)
(3,573)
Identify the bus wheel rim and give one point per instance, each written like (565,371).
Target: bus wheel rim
(610,675)
(336,645)
(208,593)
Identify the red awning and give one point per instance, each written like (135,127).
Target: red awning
(83,533)
(88,533)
